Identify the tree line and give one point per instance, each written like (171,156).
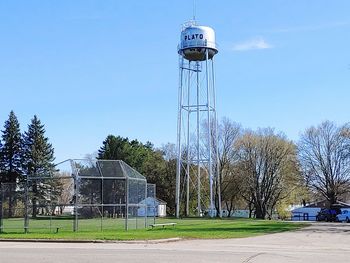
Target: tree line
(265,172)
(259,170)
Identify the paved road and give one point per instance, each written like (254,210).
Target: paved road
(321,242)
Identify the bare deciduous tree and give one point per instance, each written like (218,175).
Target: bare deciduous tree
(228,178)
(324,153)
(67,191)
(226,184)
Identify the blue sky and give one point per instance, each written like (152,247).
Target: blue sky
(92,68)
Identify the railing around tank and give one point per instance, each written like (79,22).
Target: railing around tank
(198,43)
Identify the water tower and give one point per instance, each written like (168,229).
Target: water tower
(197,154)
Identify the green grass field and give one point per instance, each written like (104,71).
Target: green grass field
(90,229)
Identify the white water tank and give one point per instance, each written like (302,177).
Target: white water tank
(195,40)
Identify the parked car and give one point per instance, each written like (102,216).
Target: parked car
(344,216)
(328,215)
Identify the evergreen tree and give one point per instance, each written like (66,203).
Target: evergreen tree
(10,160)
(38,157)
(134,153)
(10,153)
(145,159)
(115,148)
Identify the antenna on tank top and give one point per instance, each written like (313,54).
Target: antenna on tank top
(194,10)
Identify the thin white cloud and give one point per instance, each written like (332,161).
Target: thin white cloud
(252,44)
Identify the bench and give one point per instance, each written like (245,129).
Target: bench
(163,225)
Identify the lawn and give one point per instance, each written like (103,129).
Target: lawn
(89,229)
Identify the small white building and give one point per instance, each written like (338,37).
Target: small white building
(305,213)
(240,213)
(155,207)
(310,211)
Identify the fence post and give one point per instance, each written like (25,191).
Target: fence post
(1,197)
(26,198)
(146,205)
(126,203)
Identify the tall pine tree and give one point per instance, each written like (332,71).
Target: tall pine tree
(38,157)
(10,153)
(10,160)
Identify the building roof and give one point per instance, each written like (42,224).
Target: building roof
(112,169)
(156,200)
(325,204)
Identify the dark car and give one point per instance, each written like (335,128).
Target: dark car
(328,215)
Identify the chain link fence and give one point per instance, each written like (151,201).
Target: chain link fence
(79,195)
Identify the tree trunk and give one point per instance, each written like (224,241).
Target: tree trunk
(10,201)
(332,198)
(217,202)
(34,208)
(250,207)
(260,211)
(34,199)
(229,209)
(1,215)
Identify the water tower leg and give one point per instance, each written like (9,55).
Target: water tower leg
(188,142)
(217,160)
(198,145)
(179,157)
